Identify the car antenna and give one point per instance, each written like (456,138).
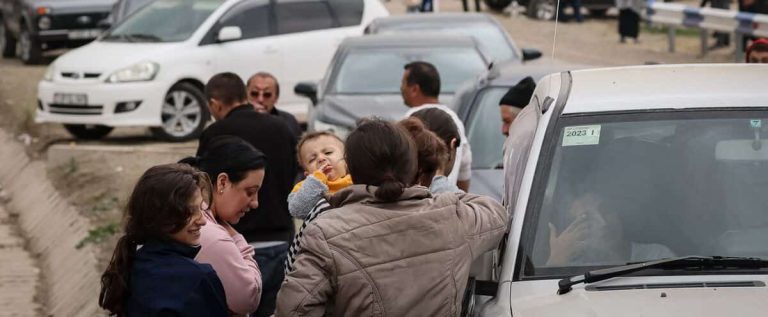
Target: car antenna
(554,39)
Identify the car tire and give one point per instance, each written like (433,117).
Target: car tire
(7,42)
(598,13)
(184,114)
(31,52)
(497,5)
(542,9)
(88,131)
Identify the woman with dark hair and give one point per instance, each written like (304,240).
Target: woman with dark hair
(237,171)
(433,157)
(441,123)
(152,271)
(387,248)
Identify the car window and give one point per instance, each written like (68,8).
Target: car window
(379,71)
(491,37)
(637,187)
(163,21)
(295,17)
(251,16)
(348,12)
(133,5)
(484,129)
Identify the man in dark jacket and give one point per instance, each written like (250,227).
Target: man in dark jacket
(269,227)
(263,92)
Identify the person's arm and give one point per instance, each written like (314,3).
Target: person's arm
(465,167)
(303,200)
(233,261)
(485,222)
(207,299)
(308,287)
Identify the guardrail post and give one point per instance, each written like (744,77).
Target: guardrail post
(738,55)
(703,33)
(671,38)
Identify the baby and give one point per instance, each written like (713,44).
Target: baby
(321,154)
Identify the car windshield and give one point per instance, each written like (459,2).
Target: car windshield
(163,21)
(484,129)
(638,187)
(490,36)
(380,71)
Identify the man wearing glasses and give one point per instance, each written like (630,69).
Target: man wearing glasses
(263,91)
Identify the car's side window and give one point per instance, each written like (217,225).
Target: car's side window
(251,16)
(295,17)
(348,12)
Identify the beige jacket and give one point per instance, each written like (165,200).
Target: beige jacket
(407,258)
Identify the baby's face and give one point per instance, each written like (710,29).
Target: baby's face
(326,154)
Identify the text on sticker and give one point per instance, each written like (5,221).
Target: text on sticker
(581,135)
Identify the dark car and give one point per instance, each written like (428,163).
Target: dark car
(482,27)
(40,25)
(545,9)
(364,76)
(477,104)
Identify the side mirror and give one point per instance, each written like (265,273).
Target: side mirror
(105,24)
(229,33)
(530,54)
(307,89)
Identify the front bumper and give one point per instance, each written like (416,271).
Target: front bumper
(102,100)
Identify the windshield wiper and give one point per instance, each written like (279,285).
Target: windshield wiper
(139,37)
(686,262)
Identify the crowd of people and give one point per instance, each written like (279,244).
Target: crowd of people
(387,224)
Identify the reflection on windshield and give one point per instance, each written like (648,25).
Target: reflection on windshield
(381,71)
(163,21)
(484,130)
(490,36)
(627,191)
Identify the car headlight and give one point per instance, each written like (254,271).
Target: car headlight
(143,71)
(340,131)
(49,72)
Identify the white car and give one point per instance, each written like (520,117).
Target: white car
(636,191)
(150,69)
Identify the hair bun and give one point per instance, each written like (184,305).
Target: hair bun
(390,190)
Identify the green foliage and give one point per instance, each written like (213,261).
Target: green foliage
(98,234)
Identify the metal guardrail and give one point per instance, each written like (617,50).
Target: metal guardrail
(674,15)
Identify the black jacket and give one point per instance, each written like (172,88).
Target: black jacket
(289,119)
(271,221)
(166,281)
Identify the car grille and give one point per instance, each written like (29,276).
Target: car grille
(76,109)
(75,75)
(74,21)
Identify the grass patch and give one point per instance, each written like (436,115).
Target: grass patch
(679,31)
(98,235)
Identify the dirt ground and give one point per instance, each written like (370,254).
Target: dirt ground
(100,198)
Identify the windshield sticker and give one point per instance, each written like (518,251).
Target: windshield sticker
(756,123)
(581,135)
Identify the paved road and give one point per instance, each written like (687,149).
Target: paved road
(19,277)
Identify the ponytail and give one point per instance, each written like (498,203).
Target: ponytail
(390,189)
(114,281)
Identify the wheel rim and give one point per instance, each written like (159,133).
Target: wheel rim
(25,44)
(545,10)
(181,113)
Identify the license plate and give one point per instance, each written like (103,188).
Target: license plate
(84,34)
(70,99)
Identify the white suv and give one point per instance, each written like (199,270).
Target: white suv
(636,191)
(150,69)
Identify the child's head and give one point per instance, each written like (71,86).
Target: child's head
(433,153)
(322,151)
(441,123)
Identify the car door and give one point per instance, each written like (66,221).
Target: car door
(253,52)
(307,35)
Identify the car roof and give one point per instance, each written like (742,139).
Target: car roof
(668,87)
(408,40)
(510,73)
(437,18)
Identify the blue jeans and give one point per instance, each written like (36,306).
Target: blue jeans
(270,260)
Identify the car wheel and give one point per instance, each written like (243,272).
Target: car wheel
(7,42)
(497,5)
(88,131)
(183,114)
(542,9)
(31,52)
(598,13)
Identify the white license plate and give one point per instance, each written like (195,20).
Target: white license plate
(84,34)
(70,99)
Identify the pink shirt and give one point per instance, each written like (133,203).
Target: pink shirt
(232,258)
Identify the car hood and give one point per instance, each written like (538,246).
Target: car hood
(488,182)
(673,300)
(76,6)
(345,110)
(107,57)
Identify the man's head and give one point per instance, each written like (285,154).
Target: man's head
(420,84)
(758,52)
(263,91)
(224,91)
(514,101)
